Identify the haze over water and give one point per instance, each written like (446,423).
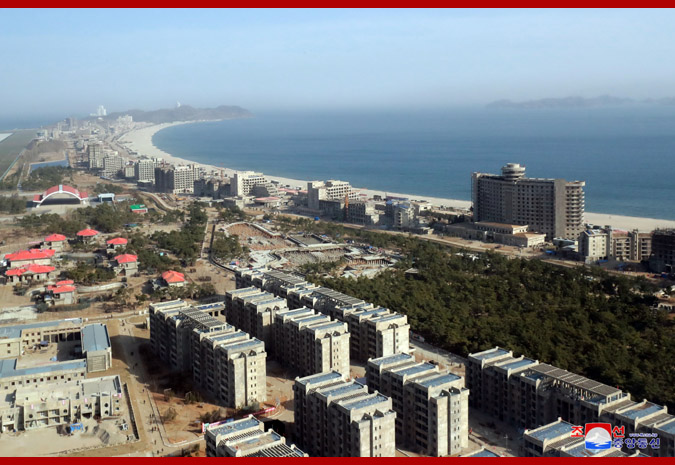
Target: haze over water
(626,155)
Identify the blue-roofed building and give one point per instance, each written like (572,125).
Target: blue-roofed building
(546,440)
(12,375)
(96,347)
(336,418)
(16,339)
(409,382)
(247,438)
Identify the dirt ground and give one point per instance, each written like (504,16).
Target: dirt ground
(256,239)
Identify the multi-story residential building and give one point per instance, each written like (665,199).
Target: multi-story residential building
(310,343)
(432,407)
(244,181)
(604,243)
(144,171)
(230,365)
(338,418)
(225,362)
(253,311)
(175,179)
(529,394)
(247,438)
(662,258)
(374,332)
(112,165)
(362,212)
(42,405)
(330,190)
(554,207)
(95,155)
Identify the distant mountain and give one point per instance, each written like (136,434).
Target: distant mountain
(566,102)
(183,113)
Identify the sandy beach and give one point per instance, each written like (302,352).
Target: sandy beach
(140,141)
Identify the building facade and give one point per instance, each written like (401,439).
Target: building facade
(432,407)
(338,418)
(554,207)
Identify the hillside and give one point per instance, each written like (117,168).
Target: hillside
(183,113)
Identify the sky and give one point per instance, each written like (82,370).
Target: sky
(67,62)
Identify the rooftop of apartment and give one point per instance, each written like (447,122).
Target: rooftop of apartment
(551,431)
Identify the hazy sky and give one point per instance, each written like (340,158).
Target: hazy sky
(69,61)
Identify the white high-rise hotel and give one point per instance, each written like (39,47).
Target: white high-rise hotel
(554,207)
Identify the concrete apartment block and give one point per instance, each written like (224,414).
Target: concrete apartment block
(529,394)
(432,407)
(375,332)
(253,311)
(247,438)
(224,362)
(310,342)
(338,418)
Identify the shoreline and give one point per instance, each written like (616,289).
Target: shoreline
(140,141)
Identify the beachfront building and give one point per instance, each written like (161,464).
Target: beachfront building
(554,207)
(432,407)
(331,190)
(247,438)
(507,234)
(225,362)
(175,179)
(144,171)
(339,418)
(662,257)
(112,165)
(597,243)
(243,182)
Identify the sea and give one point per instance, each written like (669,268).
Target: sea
(626,155)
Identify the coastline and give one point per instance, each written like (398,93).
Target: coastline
(140,141)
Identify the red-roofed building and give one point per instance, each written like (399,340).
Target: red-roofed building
(116,243)
(126,263)
(55,242)
(60,294)
(65,282)
(173,278)
(29,257)
(87,235)
(30,273)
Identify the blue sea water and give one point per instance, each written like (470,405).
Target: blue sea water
(626,155)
